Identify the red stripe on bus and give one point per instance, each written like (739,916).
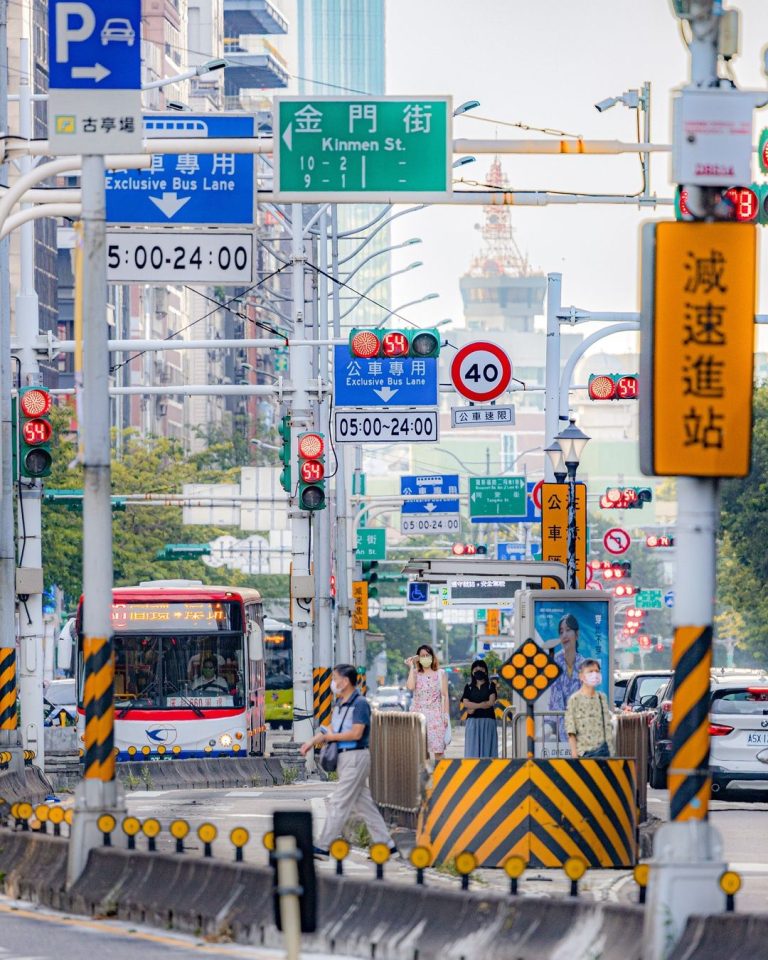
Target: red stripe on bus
(177,714)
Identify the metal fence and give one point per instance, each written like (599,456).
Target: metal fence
(398,764)
(632,741)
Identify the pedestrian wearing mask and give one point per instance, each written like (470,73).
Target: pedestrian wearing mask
(588,716)
(430,698)
(479,700)
(350,728)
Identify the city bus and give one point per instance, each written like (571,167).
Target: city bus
(278,651)
(189,670)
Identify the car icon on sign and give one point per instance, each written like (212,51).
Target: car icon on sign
(118,29)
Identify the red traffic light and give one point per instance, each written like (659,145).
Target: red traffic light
(365,344)
(601,387)
(626,388)
(312,471)
(311,446)
(35,432)
(35,403)
(746,205)
(644,640)
(395,344)
(654,541)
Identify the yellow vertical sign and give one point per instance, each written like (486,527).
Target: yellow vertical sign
(698,349)
(554,528)
(492,618)
(360,610)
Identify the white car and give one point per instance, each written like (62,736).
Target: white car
(118,29)
(738,729)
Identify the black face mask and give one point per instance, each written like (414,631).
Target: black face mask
(480,675)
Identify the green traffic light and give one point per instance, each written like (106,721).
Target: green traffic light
(284,432)
(424,343)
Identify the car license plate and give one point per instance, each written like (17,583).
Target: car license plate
(757,739)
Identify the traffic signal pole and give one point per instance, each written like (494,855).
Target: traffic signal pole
(688,856)
(98,792)
(302,588)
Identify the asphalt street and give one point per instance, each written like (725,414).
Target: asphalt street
(31,933)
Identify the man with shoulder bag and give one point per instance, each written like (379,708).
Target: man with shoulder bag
(345,749)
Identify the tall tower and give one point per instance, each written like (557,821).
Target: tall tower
(500,291)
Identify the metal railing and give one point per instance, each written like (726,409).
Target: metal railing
(398,764)
(632,741)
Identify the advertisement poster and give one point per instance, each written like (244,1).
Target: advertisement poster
(573,631)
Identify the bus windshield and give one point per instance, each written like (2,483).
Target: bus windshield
(177,671)
(278,649)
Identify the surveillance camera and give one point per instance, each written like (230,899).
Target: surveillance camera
(176,105)
(606,104)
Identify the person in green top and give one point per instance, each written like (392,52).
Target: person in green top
(588,716)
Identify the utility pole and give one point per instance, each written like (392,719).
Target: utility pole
(30,491)
(98,792)
(302,583)
(9,734)
(552,368)
(688,857)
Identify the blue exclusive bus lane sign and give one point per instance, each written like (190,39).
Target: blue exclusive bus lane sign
(408,382)
(94,52)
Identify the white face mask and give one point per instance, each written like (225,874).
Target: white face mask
(334,688)
(593,678)
(426,662)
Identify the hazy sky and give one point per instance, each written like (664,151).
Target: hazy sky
(546,63)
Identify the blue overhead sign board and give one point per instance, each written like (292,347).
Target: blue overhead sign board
(94,45)
(428,485)
(510,551)
(406,382)
(213,189)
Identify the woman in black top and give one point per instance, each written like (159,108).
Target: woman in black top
(479,700)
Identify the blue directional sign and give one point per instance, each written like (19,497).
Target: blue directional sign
(191,188)
(94,45)
(510,551)
(418,591)
(669,598)
(406,382)
(428,485)
(430,506)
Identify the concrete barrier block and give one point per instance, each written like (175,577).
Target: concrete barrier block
(33,866)
(29,784)
(723,937)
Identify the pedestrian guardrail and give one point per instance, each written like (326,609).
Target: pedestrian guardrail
(632,741)
(398,764)
(549,741)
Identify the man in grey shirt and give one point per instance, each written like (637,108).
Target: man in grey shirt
(350,728)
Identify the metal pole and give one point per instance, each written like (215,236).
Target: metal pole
(552,367)
(30,671)
(288,886)
(98,791)
(343,522)
(688,857)
(572,584)
(300,359)
(9,735)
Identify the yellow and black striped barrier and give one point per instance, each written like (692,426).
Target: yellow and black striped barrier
(689,780)
(544,811)
(362,681)
(322,697)
(99,758)
(7,688)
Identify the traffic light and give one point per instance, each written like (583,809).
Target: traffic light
(762,151)
(626,498)
(34,425)
(371,576)
(394,344)
(625,590)
(612,386)
(644,641)
(311,447)
(469,549)
(654,541)
(738,204)
(284,432)
(616,570)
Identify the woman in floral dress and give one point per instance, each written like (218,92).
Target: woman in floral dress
(430,696)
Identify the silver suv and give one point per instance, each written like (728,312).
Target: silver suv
(738,728)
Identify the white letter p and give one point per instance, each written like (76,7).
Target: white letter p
(66,35)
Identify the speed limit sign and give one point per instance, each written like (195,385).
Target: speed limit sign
(481,371)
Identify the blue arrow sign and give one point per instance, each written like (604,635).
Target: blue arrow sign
(669,598)
(408,382)
(94,45)
(428,485)
(430,506)
(189,188)
(418,591)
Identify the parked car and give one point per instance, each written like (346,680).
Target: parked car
(620,681)
(391,698)
(60,703)
(738,739)
(641,685)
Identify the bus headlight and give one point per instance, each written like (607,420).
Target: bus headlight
(225,740)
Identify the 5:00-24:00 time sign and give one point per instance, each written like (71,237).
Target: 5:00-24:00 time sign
(167,257)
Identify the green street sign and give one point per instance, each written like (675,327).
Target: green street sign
(371,544)
(387,149)
(496,498)
(649,600)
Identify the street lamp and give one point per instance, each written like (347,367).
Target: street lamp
(402,306)
(555,454)
(572,441)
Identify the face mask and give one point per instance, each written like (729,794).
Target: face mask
(480,675)
(426,662)
(593,678)
(334,688)
(208,673)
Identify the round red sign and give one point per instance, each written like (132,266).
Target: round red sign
(481,371)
